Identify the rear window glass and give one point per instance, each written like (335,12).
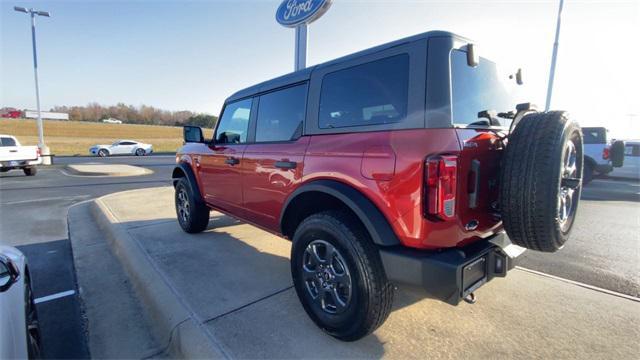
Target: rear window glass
(7,141)
(594,135)
(368,94)
(479,88)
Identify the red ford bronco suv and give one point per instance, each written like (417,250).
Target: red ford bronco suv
(407,163)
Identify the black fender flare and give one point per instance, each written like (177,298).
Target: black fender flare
(191,177)
(371,217)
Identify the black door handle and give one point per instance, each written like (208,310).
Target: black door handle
(286,164)
(232,161)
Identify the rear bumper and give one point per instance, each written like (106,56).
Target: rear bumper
(19,164)
(450,275)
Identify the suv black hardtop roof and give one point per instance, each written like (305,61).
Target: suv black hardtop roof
(305,74)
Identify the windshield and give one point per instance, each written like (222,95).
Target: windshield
(475,89)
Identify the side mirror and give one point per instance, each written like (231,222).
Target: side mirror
(9,273)
(473,58)
(192,134)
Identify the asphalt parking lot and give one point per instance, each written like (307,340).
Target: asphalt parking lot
(603,252)
(33,217)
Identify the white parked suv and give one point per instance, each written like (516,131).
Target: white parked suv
(122,147)
(15,156)
(19,327)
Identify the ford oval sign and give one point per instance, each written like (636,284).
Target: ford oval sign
(292,13)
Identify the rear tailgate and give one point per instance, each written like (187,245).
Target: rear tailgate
(18,153)
(478,185)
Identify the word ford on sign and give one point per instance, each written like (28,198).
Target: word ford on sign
(292,13)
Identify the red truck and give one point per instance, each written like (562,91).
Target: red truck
(407,163)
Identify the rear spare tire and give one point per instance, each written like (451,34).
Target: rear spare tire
(541,180)
(617,153)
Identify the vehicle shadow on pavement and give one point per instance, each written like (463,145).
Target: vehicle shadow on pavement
(237,281)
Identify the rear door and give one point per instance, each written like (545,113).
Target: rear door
(220,164)
(272,163)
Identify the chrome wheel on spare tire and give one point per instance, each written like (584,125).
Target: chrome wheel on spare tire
(541,180)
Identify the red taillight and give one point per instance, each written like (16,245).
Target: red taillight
(38,152)
(605,153)
(440,186)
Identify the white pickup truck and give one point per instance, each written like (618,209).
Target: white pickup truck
(14,156)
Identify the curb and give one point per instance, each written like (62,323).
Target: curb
(71,170)
(175,324)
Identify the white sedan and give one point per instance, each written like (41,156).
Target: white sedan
(122,147)
(19,330)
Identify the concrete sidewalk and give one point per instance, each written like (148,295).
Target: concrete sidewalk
(227,293)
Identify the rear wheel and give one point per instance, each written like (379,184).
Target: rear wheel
(193,214)
(338,275)
(30,171)
(542,180)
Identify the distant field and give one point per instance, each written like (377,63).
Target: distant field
(76,137)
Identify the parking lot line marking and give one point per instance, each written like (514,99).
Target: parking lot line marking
(587,286)
(54,296)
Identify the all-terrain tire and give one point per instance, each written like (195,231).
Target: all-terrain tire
(371,292)
(617,153)
(30,171)
(534,182)
(192,212)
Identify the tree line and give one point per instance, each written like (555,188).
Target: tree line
(130,114)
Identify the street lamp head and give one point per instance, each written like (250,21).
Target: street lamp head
(43,13)
(20,9)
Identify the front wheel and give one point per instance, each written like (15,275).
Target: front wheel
(338,275)
(103,153)
(32,324)
(140,152)
(193,214)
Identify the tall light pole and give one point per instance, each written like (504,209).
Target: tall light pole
(44,150)
(552,71)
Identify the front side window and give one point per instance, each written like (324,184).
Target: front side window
(369,94)
(479,88)
(234,123)
(280,114)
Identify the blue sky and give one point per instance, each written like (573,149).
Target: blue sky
(192,54)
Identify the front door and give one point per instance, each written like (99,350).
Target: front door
(220,164)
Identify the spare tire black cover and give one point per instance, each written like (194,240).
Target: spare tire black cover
(617,153)
(541,180)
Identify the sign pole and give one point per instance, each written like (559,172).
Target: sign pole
(301,47)
(552,71)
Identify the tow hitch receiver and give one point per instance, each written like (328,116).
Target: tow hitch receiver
(479,271)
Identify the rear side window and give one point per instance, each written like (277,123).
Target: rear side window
(368,94)
(280,114)
(7,141)
(234,123)
(594,135)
